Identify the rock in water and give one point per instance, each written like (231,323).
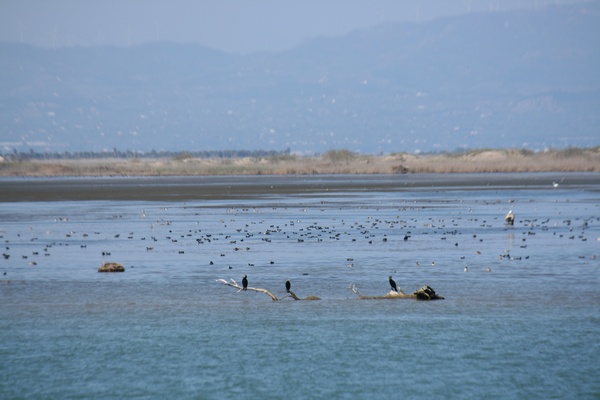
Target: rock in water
(427,293)
(111,267)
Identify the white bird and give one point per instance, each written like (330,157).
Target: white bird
(509,218)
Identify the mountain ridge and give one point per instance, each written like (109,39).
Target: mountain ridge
(524,78)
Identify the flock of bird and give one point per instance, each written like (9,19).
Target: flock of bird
(251,232)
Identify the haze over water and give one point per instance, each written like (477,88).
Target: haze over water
(528,328)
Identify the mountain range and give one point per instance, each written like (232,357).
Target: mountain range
(514,79)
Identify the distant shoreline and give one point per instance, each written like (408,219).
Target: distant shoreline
(243,188)
(331,163)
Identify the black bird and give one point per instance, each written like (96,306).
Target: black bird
(288,285)
(245,282)
(393,285)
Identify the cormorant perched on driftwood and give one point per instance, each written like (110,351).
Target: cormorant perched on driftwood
(288,285)
(244,286)
(393,285)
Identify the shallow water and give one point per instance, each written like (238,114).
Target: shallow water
(529,328)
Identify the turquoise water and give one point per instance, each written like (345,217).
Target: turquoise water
(529,328)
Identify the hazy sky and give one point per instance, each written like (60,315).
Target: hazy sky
(239,26)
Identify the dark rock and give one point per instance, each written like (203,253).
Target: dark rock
(111,267)
(427,293)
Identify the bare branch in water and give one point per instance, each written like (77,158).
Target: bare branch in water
(234,284)
(293,296)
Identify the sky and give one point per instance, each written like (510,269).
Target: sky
(236,26)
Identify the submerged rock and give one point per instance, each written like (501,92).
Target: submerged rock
(111,267)
(427,293)
(312,298)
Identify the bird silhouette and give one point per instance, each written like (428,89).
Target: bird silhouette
(393,284)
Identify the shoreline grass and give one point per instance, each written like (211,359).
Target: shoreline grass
(332,162)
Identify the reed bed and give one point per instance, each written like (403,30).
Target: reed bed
(332,162)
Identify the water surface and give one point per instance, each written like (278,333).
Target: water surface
(529,328)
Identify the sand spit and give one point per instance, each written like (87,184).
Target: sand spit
(332,162)
(247,187)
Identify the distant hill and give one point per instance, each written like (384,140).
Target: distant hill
(524,78)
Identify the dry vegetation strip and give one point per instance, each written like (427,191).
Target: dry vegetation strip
(332,162)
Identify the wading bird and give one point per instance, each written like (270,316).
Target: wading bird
(510,218)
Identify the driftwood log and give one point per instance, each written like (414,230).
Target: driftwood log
(234,284)
(425,293)
(293,296)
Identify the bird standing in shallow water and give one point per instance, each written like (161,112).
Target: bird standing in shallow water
(245,282)
(393,285)
(510,218)
(288,285)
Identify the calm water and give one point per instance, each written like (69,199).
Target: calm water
(529,328)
